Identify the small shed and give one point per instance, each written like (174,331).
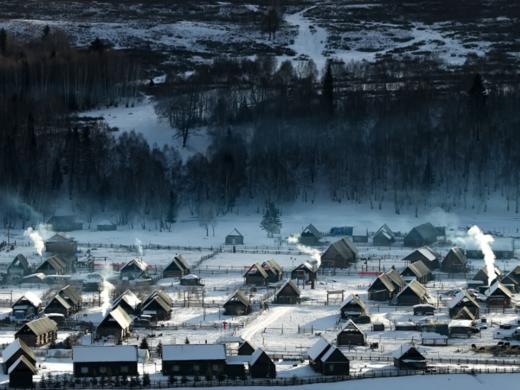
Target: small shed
(310,236)
(351,335)
(288,294)
(418,271)
(408,357)
(462,328)
(433,339)
(134,269)
(177,268)
(191,280)
(431,258)
(21,373)
(115,325)
(455,261)
(105,360)
(237,304)
(424,309)
(359,235)
(421,235)
(261,365)
(340,254)
(38,332)
(106,226)
(234,238)
(207,360)
(413,293)
(384,236)
(354,308)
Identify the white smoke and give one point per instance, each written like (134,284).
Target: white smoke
(139,247)
(312,252)
(106,296)
(484,242)
(38,237)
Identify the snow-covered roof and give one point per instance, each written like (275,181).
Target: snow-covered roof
(460,323)
(317,348)
(433,335)
(426,252)
(256,355)
(129,297)
(190,277)
(183,352)
(104,353)
(329,352)
(461,295)
(32,298)
(404,349)
(12,348)
(22,360)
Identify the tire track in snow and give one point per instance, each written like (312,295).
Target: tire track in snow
(263,321)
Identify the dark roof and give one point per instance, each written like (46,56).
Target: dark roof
(240,296)
(498,287)
(20,260)
(22,361)
(311,229)
(139,263)
(235,232)
(307,267)
(257,268)
(58,298)
(161,294)
(463,296)
(159,300)
(385,231)
(180,263)
(41,326)
(427,231)
(70,293)
(424,252)
(54,262)
(457,253)
(464,314)
(344,247)
(354,300)
(59,238)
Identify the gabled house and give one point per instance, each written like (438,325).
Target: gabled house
(421,235)
(408,357)
(384,236)
(413,293)
(340,254)
(206,360)
(237,304)
(245,348)
(27,306)
(455,261)
(310,236)
(463,299)
(17,269)
(38,332)
(327,359)
(58,305)
(177,268)
(481,278)
(289,294)
(115,325)
(105,361)
(432,259)
(418,271)
(512,279)
(191,280)
(359,235)
(53,265)
(72,296)
(256,276)
(306,272)
(234,238)
(350,334)
(386,286)
(464,314)
(134,269)
(274,270)
(463,328)
(353,308)
(14,351)
(128,301)
(21,373)
(498,295)
(261,365)
(157,307)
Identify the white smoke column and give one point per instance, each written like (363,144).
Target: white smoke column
(36,238)
(484,242)
(312,252)
(139,247)
(106,292)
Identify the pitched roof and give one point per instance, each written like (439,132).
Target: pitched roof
(329,353)
(139,263)
(70,293)
(416,287)
(104,353)
(351,327)
(272,265)
(306,266)
(129,297)
(385,231)
(257,268)
(318,348)
(41,325)
(289,283)
(20,260)
(32,298)
(496,287)
(120,316)
(158,299)
(58,298)
(345,247)
(235,232)
(59,238)
(200,352)
(395,278)
(404,349)
(426,231)
(311,229)
(180,262)
(14,347)
(386,281)
(240,296)
(54,262)
(256,355)
(353,299)
(419,269)
(462,296)
(464,314)
(458,254)
(161,294)
(22,361)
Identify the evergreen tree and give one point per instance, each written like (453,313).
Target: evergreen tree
(328,90)
(171,215)
(3,41)
(271,222)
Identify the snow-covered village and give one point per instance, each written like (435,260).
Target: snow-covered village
(307,194)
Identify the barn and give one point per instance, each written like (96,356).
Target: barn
(340,254)
(237,304)
(256,276)
(384,236)
(105,360)
(288,294)
(413,293)
(408,357)
(178,267)
(421,235)
(427,255)
(455,261)
(418,271)
(39,332)
(350,335)
(208,360)
(310,236)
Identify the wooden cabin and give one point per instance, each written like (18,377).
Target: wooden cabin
(256,276)
(455,261)
(512,279)
(13,351)
(414,293)
(310,236)
(206,360)
(191,280)
(427,255)
(498,295)
(234,238)
(274,271)
(27,306)
(158,305)
(245,348)
(105,361)
(418,271)
(351,335)
(237,304)
(359,235)
(61,246)
(386,286)
(340,254)
(463,299)
(481,278)
(327,359)
(261,365)
(53,265)
(306,272)
(72,296)
(288,294)
(134,269)
(21,373)
(128,301)
(353,308)
(115,325)
(383,237)
(58,305)
(421,235)
(408,357)
(462,328)
(17,269)
(177,268)
(38,332)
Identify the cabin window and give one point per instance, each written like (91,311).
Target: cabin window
(84,370)
(196,368)
(124,369)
